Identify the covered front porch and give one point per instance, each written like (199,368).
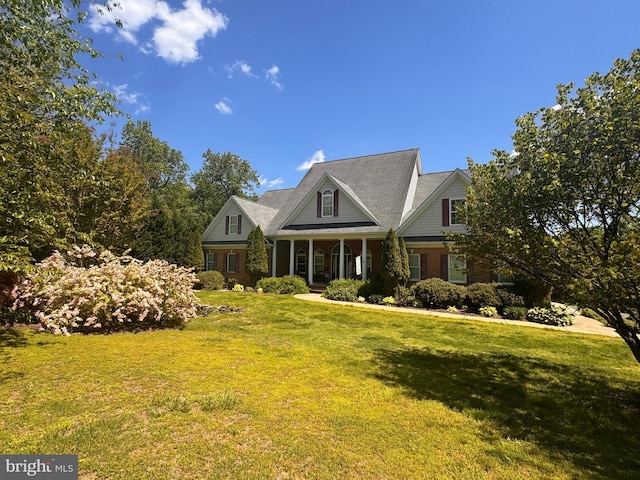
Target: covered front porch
(320,260)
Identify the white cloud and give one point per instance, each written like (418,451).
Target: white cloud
(264,182)
(131,98)
(242,66)
(317,157)
(223,106)
(176,33)
(272,74)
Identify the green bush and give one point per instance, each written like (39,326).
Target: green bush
(560,316)
(346,289)
(286,285)
(375,299)
(488,311)
(588,312)
(372,286)
(515,313)
(209,280)
(404,296)
(509,299)
(482,295)
(438,293)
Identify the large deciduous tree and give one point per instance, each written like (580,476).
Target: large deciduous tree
(221,176)
(563,207)
(45,96)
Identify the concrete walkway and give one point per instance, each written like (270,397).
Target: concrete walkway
(580,324)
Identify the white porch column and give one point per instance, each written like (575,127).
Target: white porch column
(310,271)
(363,256)
(292,257)
(274,249)
(341,258)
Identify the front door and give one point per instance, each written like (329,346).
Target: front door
(335,262)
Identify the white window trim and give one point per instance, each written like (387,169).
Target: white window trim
(419,265)
(213,261)
(450,259)
(318,254)
(235,255)
(327,194)
(301,255)
(232,225)
(452,210)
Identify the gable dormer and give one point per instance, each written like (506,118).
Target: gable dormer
(330,203)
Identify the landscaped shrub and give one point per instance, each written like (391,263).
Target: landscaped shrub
(238,288)
(560,316)
(346,289)
(509,299)
(372,286)
(515,313)
(116,293)
(404,296)
(286,285)
(588,312)
(482,295)
(388,300)
(438,293)
(210,280)
(488,311)
(375,299)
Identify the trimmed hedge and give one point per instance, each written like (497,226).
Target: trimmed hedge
(209,280)
(346,289)
(286,285)
(438,293)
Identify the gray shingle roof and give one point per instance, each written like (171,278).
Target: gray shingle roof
(379,181)
(259,214)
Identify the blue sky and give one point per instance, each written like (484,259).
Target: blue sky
(283,83)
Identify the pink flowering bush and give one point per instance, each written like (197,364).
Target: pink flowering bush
(85,292)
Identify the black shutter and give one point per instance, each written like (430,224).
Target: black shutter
(335,203)
(319,205)
(226,225)
(444,266)
(445,212)
(239,224)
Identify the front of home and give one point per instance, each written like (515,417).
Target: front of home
(333,224)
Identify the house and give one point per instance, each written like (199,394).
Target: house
(333,224)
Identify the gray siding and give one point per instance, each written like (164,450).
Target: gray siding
(217,233)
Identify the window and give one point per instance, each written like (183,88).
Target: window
(457,269)
(211,262)
(301,262)
(327,203)
(505,279)
(233,224)
(232,262)
(369,261)
(414,266)
(318,262)
(457,205)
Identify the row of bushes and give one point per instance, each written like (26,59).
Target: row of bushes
(488,299)
(287,285)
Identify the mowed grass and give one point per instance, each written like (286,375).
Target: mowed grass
(290,390)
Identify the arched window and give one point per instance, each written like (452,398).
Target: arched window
(327,203)
(301,262)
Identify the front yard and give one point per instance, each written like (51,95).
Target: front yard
(290,389)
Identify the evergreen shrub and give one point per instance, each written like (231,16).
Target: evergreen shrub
(438,293)
(346,289)
(210,280)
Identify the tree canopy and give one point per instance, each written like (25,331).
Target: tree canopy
(221,176)
(46,98)
(563,207)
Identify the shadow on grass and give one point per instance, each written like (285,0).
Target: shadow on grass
(12,338)
(572,413)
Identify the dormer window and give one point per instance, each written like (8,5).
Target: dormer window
(327,203)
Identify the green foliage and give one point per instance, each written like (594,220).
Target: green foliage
(481,295)
(372,286)
(563,210)
(404,296)
(194,257)
(221,176)
(588,312)
(286,285)
(438,293)
(210,280)
(257,263)
(46,97)
(559,316)
(394,272)
(488,311)
(345,289)
(515,313)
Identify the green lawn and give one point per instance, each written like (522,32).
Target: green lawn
(291,390)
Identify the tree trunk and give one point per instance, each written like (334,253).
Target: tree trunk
(630,337)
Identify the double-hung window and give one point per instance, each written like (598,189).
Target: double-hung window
(457,269)
(232,262)
(457,206)
(233,224)
(414,266)
(327,203)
